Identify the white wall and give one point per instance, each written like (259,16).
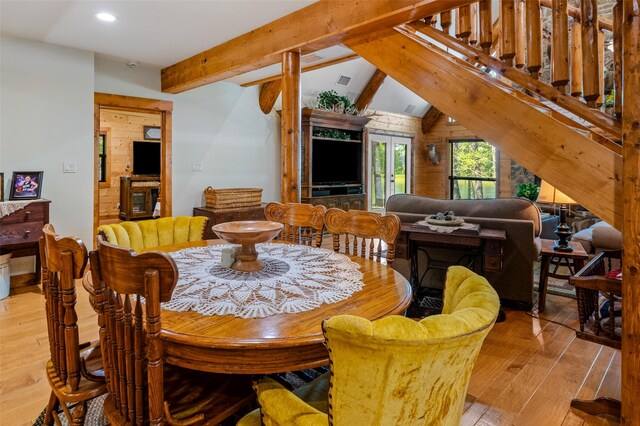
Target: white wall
(219,126)
(46,117)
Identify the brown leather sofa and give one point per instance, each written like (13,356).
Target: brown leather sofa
(518,217)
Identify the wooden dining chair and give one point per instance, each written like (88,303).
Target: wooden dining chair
(142,388)
(363,233)
(74,371)
(303,223)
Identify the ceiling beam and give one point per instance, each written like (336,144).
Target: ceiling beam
(573,163)
(370,90)
(308,68)
(269,93)
(315,27)
(430,118)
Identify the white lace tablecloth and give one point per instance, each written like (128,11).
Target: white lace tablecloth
(445,229)
(295,279)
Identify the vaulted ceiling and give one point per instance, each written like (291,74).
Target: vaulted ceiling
(160,33)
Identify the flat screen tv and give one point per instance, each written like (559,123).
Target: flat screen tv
(146,158)
(336,162)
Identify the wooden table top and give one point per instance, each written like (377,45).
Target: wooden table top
(577,253)
(276,343)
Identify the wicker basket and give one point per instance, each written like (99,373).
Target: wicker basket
(229,198)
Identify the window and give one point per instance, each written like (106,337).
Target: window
(102,157)
(473,170)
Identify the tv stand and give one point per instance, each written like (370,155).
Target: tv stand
(138,196)
(321,126)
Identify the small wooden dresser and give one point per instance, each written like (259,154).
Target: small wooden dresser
(20,231)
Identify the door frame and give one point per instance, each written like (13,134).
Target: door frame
(131,103)
(390,160)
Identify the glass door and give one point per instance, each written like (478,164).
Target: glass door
(390,168)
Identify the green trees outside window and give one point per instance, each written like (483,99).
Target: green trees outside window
(473,170)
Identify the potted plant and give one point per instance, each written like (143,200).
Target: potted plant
(528,190)
(330,100)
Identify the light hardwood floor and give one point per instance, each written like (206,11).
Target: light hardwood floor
(527,373)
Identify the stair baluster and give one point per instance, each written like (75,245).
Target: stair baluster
(445,21)
(617,59)
(486,37)
(473,37)
(575,88)
(520,33)
(590,79)
(508,33)
(600,99)
(534,37)
(463,27)
(559,45)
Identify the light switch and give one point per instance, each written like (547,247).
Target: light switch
(70,167)
(196,167)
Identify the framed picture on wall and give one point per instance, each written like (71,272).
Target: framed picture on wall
(152,133)
(26,185)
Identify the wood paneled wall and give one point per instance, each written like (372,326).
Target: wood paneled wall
(124,127)
(432,180)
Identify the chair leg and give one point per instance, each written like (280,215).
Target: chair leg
(598,407)
(79,412)
(52,408)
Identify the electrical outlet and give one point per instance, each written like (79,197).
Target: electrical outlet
(69,167)
(196,167)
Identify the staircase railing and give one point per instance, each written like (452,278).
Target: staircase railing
(577,51)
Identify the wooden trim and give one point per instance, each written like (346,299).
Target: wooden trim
(291,127)
(429,119)
(269,93)
(370,90)
(630,374)
(514,124)
(320,25)
(574,12)
(338,60)
(131,103)
(612,127)
(107,132)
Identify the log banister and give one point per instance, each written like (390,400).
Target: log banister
(617,59)
(520,30)
(575,88)
(486,37)
(608,126)
(575,13)
(508,33)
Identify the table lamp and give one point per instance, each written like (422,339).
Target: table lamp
(549,194)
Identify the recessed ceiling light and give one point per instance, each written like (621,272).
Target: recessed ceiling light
(106,17)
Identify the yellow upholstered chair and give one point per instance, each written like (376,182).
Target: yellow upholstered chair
(393,371)
(146,234)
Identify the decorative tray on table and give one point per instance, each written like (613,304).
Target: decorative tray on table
(446,218)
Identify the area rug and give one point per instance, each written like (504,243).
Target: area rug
(94,417)
(557,286)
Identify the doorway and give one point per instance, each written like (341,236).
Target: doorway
(390,168)
(119,120)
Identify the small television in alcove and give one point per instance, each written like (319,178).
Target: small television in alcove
(336,162)
(146,158)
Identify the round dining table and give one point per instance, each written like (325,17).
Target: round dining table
(276,343)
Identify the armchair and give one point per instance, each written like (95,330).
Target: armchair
(393,371)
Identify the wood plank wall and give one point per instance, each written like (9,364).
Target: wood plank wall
(431,180)
(124,127)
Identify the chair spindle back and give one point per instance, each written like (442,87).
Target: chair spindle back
(364,232)
(303,223)
(130,327)
(63,261)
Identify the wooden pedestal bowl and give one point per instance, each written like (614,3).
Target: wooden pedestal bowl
(248,233)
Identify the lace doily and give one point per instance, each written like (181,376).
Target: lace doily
(295,279)
(446,229)
(8,207)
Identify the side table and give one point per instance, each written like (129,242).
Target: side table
(228,215)
(577,256)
